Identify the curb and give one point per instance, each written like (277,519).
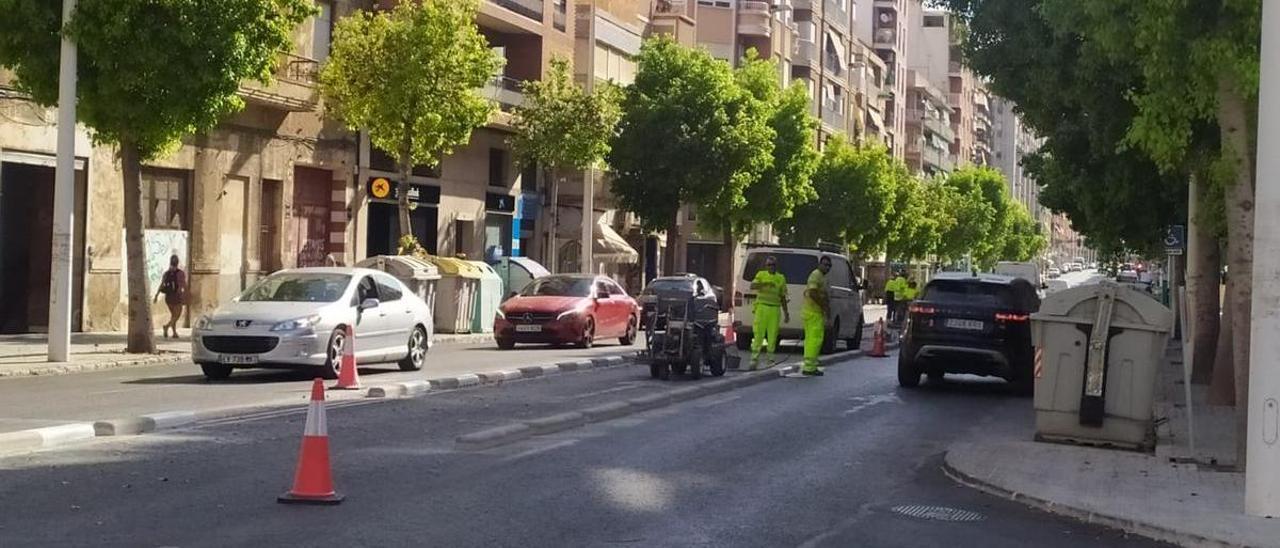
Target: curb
(144,423)
(414,388)
(49,436)
(502,435)
(43,370)
(1154,532)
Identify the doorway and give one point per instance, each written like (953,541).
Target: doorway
(26,241)
(312,192)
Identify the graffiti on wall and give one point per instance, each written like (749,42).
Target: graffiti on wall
(162,244)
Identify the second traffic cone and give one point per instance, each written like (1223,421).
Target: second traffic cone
(348,375)
(730,336)
(877,341)
(313,480)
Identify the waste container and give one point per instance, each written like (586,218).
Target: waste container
(1097,350)
(457,291)
(421,276)
(517,272)
(488,297)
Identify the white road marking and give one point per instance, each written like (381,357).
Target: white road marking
(863,402)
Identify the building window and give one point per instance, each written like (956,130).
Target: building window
(716,3)
(323,32)
(164,199)
(934,21)
(529,178)
(497,167)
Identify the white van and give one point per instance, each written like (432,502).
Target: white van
(1027,271)
(796,263)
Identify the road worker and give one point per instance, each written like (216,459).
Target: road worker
(816,310)
(769,307)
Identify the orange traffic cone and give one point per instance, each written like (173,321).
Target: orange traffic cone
(877,341)
(313,481)
(730,336)
(348,375)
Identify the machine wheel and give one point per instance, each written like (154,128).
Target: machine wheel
(908,374)
(829,338)
(655,370)
(333,363)
(717,366)
(417,351)
(506,344)
(856,342)
(588,334)
(695,362)
(679,368)
(664,372)
(629,338)
(744,340)
(215,371)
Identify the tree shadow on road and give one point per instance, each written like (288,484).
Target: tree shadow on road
(255,376)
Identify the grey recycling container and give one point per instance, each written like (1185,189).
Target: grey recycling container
(1097,350)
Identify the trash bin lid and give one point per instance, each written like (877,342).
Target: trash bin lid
(450,266)
(402,266)
(485,271)
(1132,309)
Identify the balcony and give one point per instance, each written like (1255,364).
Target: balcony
(833,118)
(294,88)
(754,18)
(954,67)
(955,100)
(805,5)
(836,15)
(886,37)
(506,92)
(804,54)
(832,64)
(528,8)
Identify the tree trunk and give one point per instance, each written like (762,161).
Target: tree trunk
(553,248)
(1236,147)
(1222,385)
(406,170)
(141,339)
(1203,267)
(727,272)
(669,252)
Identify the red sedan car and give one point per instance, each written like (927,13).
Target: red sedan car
(567,309)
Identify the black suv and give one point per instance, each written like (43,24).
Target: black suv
(978,325)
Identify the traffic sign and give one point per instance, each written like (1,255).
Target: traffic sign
(1175,239)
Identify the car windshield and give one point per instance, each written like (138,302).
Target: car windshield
(298,287)
(558,286)
(795,267)
(681,284)
(969,292)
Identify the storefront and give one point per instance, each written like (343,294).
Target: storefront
(499,225)
(384,220)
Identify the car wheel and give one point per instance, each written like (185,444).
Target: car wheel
(908,375)
(215,371)
(695,362)
(588,334)
(508,344)
(333,360)
(829,338)
(417,351)
(743,340)
(629,338)
(855,342)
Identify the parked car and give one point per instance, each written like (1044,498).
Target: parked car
(298,318)
(704,293)
(976,325)
(1053,273)
(567,308)
(795,264)
(1054,286)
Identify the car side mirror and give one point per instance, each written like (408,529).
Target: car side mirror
(369,303)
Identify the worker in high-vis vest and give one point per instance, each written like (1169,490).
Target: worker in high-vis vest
(814,313)
(899,311)
(768,309)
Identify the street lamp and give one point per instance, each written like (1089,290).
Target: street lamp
(63,200)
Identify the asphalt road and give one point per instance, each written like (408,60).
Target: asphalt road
(790,462)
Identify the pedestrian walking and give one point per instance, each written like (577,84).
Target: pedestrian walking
(770,303)
(173,285)
(814,313)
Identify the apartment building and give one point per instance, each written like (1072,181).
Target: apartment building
(1013,142)
(883,24)
(268,188)
(929,137)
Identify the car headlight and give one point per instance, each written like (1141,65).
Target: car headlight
(203,322)
(308,322)
(570,312)
(501,314)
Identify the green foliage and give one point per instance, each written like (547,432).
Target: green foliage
(689,134)
(411,77)
(921,216)
(856,190)
(150,72)
(562,126)
(977,204)
(1023,240)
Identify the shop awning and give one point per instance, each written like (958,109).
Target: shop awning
(611,247)
(876,120)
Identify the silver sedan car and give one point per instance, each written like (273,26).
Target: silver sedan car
(299,318)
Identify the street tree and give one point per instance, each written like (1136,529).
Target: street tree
(922,215)
(976,214)
(412,78)
(855,188)
(150,74)
(1023,240)
(561,127)
(689,135)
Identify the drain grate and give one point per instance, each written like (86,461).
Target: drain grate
(938,513)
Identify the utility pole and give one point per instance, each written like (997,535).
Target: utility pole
(1262,475)
(64,192)
(589,178)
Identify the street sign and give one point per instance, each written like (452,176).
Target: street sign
(1175,239)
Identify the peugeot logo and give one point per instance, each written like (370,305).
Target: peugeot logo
(528,316)
(243,323)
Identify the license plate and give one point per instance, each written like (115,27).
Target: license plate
(238,359)
(532,328)
(973,325)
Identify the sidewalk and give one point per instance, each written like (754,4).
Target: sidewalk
(1174,496)
(27,355)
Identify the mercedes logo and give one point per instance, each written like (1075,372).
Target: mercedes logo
(528,316)
(243,323)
